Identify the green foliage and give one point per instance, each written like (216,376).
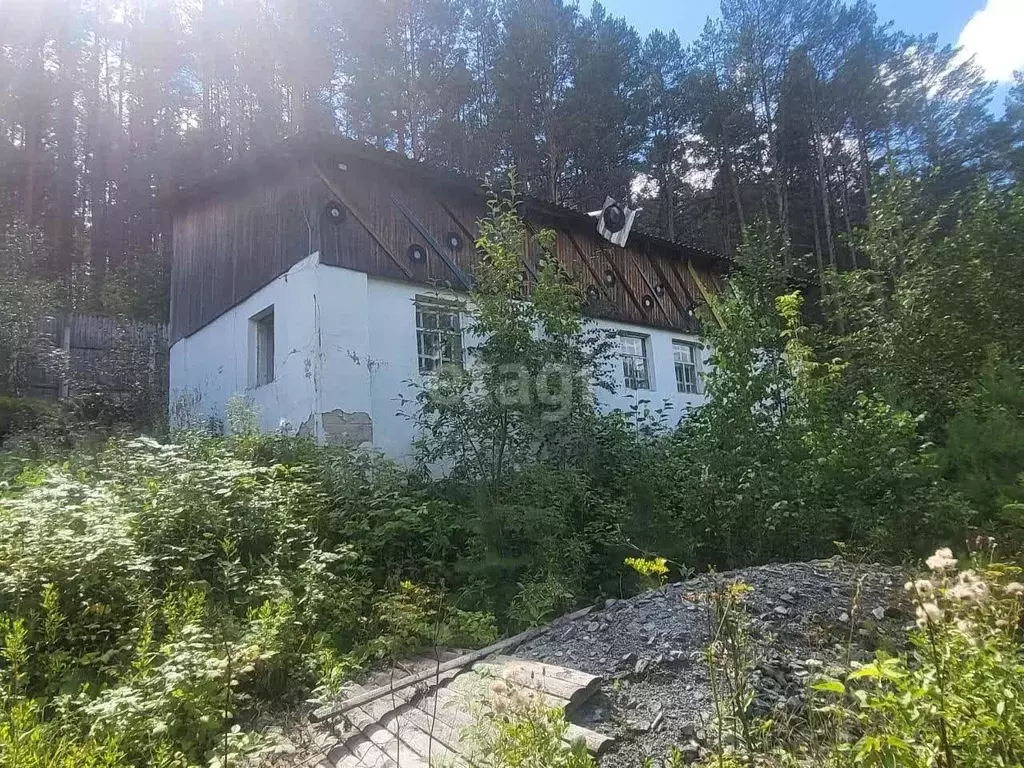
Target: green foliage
(940,299)
(787,456)
(955,700)
(25,300)
(951,699)
(509,428)
(158,597)
(518,731)
(525,391)
(984,449)
(22,414)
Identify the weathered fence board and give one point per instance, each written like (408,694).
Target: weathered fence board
(84,353)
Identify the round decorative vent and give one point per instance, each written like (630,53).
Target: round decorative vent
(417,253)
(659,290)
(648,302)
(609,278)
(335,213)
(454,241)
(592,293)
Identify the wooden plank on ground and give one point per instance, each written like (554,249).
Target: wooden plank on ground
(596,742)
(326,713)
(422,724)
(474,691)
(437,730)
(376,747)
(574,686)
(399,722)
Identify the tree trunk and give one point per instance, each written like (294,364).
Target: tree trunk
(825,204)
(34,110)
(669,196)
(865,172)
(64,213)
(844,181)
(822,178)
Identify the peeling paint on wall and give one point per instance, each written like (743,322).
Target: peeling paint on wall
(308,427)
(348,429)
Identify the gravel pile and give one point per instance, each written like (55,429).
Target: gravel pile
(803,618)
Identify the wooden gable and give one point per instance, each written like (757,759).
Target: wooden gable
(389,217)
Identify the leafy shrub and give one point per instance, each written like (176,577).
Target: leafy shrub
(20,414)
(957,699)
(157,597)
(518,731)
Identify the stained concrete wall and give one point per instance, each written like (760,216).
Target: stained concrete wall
(346,363)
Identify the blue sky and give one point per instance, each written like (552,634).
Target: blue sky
(990,29)
(946,17)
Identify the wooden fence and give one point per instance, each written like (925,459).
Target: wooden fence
(87,353)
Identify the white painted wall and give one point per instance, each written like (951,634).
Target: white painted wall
(393,364)
(212,365)
(664,391)
(347,342)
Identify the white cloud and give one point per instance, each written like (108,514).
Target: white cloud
(993,37)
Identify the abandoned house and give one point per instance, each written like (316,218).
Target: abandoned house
(316,281)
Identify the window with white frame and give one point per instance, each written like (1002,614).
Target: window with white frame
(438,335)
(636,368)
(686,356)
(261,334)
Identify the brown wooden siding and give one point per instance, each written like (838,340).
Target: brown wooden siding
(231,244)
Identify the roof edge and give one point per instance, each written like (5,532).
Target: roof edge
(313,146)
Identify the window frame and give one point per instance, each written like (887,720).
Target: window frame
(429,306)
(696,363)
(646,384)
(262,335)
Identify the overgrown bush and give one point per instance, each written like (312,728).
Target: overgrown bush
(953,699)
(517,730)
(157,597)
(22,414)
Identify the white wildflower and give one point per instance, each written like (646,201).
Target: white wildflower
(942,560)
(1014,589)
(962,592)
(928,613)
(921,587)
(969,588)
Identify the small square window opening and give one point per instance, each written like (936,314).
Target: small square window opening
(262,347)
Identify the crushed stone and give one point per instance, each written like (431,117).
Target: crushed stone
(804,619)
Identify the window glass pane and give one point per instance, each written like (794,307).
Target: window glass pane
(633,350)
(438,338)
(263,364)
(686,357)
(683,352)
(632,345)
